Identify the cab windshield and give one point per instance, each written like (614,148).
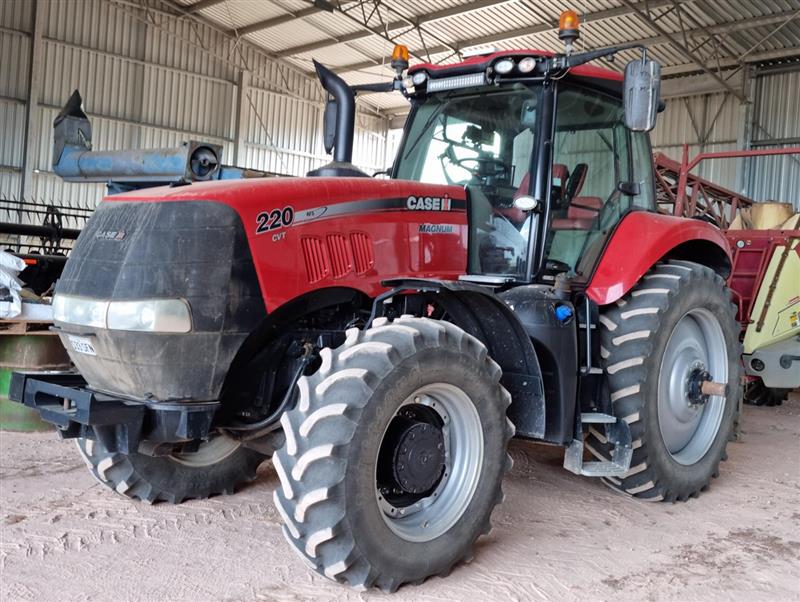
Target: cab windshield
(482,139)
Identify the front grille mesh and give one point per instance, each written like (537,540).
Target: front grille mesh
(362,252)
(337,256)
(316,259)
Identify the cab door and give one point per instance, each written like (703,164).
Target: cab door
(603,171)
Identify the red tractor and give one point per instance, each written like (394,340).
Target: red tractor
(382,340)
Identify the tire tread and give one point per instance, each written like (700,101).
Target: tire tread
(624,348)
(323,539)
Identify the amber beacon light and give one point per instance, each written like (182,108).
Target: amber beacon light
(569,26)
(400,58)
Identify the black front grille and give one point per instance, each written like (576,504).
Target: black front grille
(192,250)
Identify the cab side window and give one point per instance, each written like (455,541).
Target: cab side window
(591,155)
(600,171)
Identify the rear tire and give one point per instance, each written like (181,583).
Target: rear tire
(338,516)
(676,320)
(208,472)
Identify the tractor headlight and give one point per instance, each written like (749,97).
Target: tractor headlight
(150,315)
(155,315)
(75,310)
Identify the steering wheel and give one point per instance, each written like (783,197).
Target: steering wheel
(481,170)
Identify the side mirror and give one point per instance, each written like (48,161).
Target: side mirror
(640,94)
(329,125)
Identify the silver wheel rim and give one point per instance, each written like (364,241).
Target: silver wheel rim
(210,452)
(689,429)
(434,515)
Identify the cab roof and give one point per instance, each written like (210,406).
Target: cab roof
(478,63)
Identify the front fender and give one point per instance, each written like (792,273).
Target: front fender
(642,239)
(481,313)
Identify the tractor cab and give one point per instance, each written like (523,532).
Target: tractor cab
(546,156)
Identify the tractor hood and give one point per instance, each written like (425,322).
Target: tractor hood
(287,216)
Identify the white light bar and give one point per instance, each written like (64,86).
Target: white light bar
(458,81)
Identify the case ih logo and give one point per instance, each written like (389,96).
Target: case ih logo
(428,203)
(111,234)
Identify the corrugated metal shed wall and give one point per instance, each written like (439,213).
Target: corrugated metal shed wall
(15,22)
(147,85)
(688,120)
(775,115)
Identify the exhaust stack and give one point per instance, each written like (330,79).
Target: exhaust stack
(339,125)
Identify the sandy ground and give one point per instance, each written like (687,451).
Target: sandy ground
(558,536)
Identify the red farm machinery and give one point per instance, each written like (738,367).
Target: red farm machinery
(765,267)
(382,340)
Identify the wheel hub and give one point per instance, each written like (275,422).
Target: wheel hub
(418,457)
(688,417)
(695,382)
(429,462)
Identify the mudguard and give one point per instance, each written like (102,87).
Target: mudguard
(641,239)
(478,311)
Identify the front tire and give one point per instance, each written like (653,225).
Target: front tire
(218,467)
(394,455)
(674,326)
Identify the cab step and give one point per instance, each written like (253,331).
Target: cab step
(618,434)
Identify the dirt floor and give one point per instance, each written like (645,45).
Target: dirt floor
(63,536)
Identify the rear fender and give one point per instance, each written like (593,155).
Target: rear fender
(642,239)
(479,312)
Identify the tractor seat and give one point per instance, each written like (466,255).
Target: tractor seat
(518,216)
(582,210)
(561,173)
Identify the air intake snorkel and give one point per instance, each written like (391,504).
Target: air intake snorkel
(339,124)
